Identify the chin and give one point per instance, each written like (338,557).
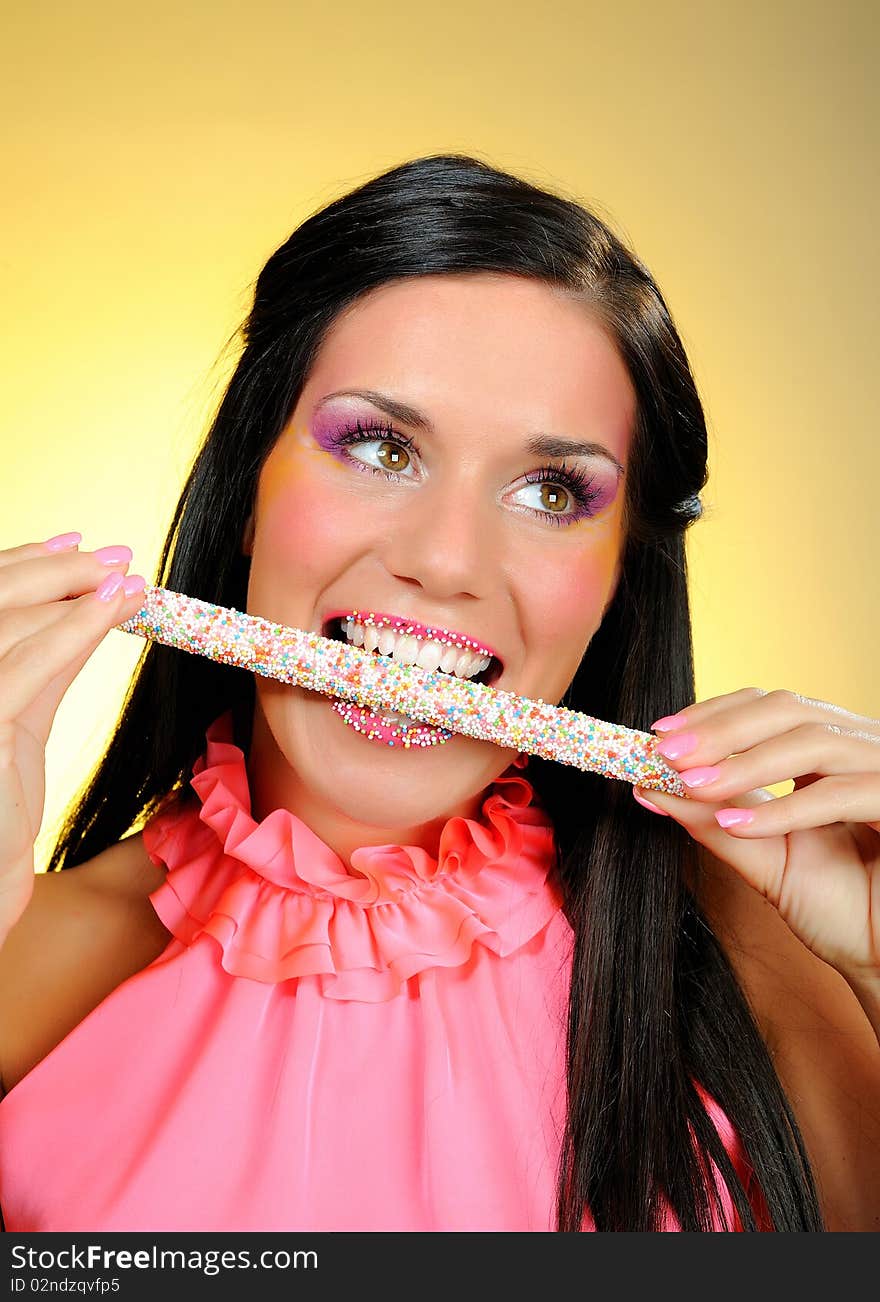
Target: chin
(407,789)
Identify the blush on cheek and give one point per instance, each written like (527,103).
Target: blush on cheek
(568,608)
(302,526)
(583,585)
(586,591)
(305,530)
(573,601)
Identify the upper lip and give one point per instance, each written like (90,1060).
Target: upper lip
(404,624)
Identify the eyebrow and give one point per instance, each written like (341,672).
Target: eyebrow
(539,445)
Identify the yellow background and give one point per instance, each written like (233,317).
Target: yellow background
(157,155)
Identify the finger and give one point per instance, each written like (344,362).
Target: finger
(758,815)
(763,713)
(753,722)
(34,579)
(63,542)
(691,715)
(815,749)
(55,655)
(841,798)
(24,621)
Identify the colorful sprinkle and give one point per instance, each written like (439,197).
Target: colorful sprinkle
(457,705)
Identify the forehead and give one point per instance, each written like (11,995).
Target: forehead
(492,348)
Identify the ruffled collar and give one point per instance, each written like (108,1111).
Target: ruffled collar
(281,904)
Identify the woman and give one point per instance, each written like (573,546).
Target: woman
(342,982)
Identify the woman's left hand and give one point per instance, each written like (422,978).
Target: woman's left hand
(814,853)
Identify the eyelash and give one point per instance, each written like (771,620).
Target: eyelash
(582,487)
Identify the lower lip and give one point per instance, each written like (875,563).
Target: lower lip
(371,726)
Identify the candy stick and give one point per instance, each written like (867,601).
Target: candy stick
(349,673)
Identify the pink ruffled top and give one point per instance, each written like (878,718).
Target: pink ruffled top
(320,1046)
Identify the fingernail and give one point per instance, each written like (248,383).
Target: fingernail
(700,777)
(668,722)
(63,542)
(134,583)
(675,747)
(734,817)
(649,804)
(113,555)
(108,587)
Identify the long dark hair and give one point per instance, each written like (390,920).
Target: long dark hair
(655,1010)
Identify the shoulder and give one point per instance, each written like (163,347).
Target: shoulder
(122,873)
(104,895)
(85,931)
(823,1047)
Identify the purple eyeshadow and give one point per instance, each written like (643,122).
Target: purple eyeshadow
(591,491)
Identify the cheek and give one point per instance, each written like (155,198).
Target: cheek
(568,600)
(566,607)
(304,519)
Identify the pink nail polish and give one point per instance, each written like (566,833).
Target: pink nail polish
(648,804)
(113,555)
(63,542)
(134,583)
(675,747)
(700,777)
(734,817)
(108,587)
(668,722)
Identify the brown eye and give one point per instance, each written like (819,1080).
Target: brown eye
(554,498)
(392,456)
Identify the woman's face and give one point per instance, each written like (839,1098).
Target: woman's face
(451,514)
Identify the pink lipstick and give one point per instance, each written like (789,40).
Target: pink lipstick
(389,731)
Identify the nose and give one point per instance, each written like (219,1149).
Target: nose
(443,540)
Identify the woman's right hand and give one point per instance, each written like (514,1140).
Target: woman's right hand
(56,606)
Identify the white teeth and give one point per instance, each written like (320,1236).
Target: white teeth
(407,649)
(387,641)
(463,665)
(395,716)
(430,656)
(449,659)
